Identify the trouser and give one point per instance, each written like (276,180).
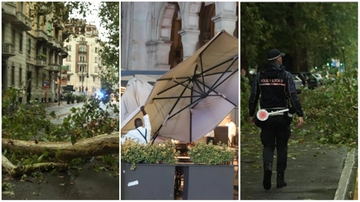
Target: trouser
(275,138)
(276,134)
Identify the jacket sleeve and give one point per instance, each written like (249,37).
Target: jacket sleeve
(254,96)
(292,95)
(147,126)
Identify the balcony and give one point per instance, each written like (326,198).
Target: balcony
(40,63)
(8,11)
(50,41)
(54,67)
(82,42)
(8,50)
(82,50)
(41,35)
(22,22)
(82,63)
(94,74)
(57,44)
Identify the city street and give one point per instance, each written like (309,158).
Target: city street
(61,111)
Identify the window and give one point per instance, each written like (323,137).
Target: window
(3,32)
(13,75)
(22,7)
(81,78)
(96,49)
(82,48)
(82,69)
(95,59)
(94,79)
(68,77)
(29,47)
(13,38)
(69,67)
(82,58)
(20,76)
(68,58)
(69,47)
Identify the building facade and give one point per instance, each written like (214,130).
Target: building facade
(32,52)
(83,63)
(159,35)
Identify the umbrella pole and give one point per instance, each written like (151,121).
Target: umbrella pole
(156,133)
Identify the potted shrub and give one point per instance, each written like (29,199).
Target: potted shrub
(212,174)
(147,171)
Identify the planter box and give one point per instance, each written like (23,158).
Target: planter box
(209,182)
(147,182)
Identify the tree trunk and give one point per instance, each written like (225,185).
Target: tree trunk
(95,146)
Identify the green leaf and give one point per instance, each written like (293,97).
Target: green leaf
(73,139)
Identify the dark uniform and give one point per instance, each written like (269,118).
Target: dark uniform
(277,90)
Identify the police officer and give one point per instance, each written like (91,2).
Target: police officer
(276,89)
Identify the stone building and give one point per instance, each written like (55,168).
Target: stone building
(32,51)
(83,63)
(159,35)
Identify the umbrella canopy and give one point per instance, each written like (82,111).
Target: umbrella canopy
(135,95)
(125,79)
(194,97)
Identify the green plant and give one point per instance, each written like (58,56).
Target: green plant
(210,154)
(80,98)
(333,109)
(41,57)
(157,153)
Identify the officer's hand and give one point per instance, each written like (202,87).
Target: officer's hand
(142,108)
(300,122)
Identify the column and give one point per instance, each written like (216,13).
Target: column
(189,38)
(225,18)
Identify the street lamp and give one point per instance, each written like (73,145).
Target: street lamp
(82,78)
(343,52)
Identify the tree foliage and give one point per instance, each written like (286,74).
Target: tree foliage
(309,33)
(332,108)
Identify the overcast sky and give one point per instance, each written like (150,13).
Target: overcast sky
(92,18)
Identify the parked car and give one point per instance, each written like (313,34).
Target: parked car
(312,81)
(301,77)
(298,84)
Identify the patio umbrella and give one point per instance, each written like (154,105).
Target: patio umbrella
(195,96)
(135,95)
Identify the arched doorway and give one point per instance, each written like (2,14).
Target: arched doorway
(206,25)
(176,49)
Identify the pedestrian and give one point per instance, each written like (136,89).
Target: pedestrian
(276,89)
(140,134)
(231,130)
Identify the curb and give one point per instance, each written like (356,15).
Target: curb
(345,190)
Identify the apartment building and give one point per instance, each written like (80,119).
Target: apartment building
(32,51)
(83,63)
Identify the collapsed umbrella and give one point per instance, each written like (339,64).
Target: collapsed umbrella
(194,97)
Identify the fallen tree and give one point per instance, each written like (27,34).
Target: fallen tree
(64,152)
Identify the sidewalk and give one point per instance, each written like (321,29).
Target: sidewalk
(85,185)
(313,171)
